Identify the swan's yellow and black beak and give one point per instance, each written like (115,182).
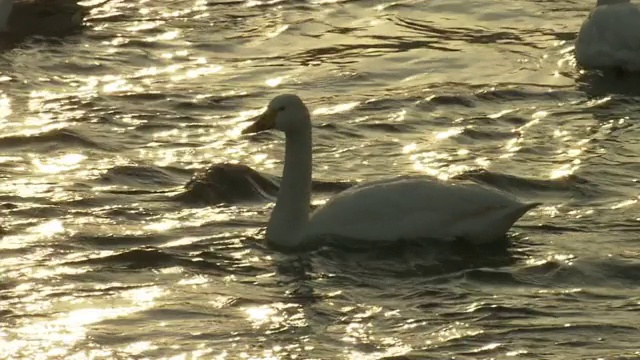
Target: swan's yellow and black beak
(262,122)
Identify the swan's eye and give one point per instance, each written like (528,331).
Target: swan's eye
(281,108)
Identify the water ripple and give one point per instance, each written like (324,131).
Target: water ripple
(133,214)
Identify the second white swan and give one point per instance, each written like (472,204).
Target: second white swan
(610,37)
(409,208)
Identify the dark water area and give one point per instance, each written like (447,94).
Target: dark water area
(133,212)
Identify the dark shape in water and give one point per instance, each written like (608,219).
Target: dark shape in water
(233,183)
(227,183)
(24,18)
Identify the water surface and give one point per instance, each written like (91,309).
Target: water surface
(105,257)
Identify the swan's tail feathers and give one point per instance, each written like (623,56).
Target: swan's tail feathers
(491,223)
(530,206)
(520,211)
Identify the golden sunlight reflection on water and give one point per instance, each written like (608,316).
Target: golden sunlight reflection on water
(5,110)
(33,234)
(434,163)
(261,315)
(100,139)
(52,165)
(57,336)
(335,109)
(455,330)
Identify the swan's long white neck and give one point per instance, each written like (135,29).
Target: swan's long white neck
(291,212)
(5,11)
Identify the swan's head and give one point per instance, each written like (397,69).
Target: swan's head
(611,2)
(286,113)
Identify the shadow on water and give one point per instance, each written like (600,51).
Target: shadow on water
(609,82)
(384,266)
(423,258)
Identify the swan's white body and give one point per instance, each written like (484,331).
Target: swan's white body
(415,208)
(406,208)
(610,37)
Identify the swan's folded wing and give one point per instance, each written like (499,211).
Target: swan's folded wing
(411,207)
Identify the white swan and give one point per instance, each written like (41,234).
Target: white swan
(412,207)
(41,17)
(610,37)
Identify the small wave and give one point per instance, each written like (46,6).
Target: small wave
(227,102)
(495,134)
(117,241)
(587,275)
(51,140)
(142,96)
(464,35)
(493,312)
(338,131)
(132,259)
(144,176)
(570,184)
(388,127)
(451,100)
(522,92)
(154,258)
